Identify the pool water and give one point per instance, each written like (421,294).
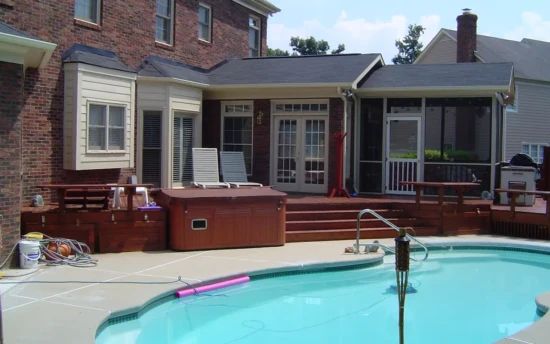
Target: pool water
(463,297)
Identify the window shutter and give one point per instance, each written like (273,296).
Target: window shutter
(152,149)
(182,163)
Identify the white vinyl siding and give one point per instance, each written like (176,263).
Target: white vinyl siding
(534,150)
(531,123)
(254,37)
(182,148)
(443,51)
(98,118)
(88,10)
(237,130)
(164,21)
(151,165)
(205,22)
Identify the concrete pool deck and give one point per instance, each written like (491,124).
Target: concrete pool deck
(49,313)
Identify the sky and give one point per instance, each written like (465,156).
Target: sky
(373,26)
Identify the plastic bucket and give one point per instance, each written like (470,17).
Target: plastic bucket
(29,253)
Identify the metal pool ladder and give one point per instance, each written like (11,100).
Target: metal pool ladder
(381,218)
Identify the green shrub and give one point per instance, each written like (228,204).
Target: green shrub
(461,155)
(434,155)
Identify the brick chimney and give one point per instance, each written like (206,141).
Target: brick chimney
(466,36)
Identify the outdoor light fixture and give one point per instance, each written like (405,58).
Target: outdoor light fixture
(259,118)
(402,256)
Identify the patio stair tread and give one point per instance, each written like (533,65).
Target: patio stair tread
(362,220)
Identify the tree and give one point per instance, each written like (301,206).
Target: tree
(410,47)
(311,46)
(277,52)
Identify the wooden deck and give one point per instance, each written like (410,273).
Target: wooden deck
(103,230)
(527,222)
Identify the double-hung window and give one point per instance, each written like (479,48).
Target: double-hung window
(534,150)
(205,22)
(106,127)
(87,10)
(165,25)
(237,131)
(254,37)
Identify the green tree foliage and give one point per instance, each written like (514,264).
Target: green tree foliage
(311,46)
(410,47)
(277,52)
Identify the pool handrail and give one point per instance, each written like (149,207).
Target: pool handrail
(381,218)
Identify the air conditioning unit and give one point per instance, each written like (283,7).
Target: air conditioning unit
(518,178)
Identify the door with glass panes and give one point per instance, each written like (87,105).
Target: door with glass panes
(301,153)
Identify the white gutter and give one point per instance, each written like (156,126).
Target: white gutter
(344,98)
(45,48)
(171,80)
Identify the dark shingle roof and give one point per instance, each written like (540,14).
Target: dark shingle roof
(79,53)
(531,58)
(163,68)
(5,28)
(441,75)
(344,68)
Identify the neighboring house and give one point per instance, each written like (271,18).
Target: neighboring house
(103,90)
(527,120)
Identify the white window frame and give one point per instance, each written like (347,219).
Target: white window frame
(98,11)
(540,148)
(259,29)
(209,24)
(124,127)
(299,107)
(250,114)
(515,107)
(171,19)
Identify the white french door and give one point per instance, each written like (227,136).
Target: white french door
(403,145)
(301,153)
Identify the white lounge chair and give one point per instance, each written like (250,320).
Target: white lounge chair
(234,169)
(205,169)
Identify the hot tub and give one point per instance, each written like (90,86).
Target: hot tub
(224,218)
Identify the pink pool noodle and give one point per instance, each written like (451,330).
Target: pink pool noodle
(204,288)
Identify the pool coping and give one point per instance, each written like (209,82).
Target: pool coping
(535,333)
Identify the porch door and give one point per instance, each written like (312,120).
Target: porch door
(301,154)
(402,153)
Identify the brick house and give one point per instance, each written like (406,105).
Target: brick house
(97,90)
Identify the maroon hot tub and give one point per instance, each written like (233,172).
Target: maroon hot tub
(224,218)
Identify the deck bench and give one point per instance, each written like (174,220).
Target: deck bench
(459,187)
(514,194)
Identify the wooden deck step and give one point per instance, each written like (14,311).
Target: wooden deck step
(327,206)
(345,234)
(352,223)
(313,215)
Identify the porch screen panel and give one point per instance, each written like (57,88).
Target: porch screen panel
(182,159)
(458,142)
(151,164)
(371,145)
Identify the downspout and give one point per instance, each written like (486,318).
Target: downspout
(345,124)
(356,139)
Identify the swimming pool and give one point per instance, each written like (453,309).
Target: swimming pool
(464,296)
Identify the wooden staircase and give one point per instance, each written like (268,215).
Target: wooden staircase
(338,221)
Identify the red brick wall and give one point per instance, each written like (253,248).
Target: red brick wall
(336,117)
(11,102)
(128,29)
(262,137)
(466,38)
